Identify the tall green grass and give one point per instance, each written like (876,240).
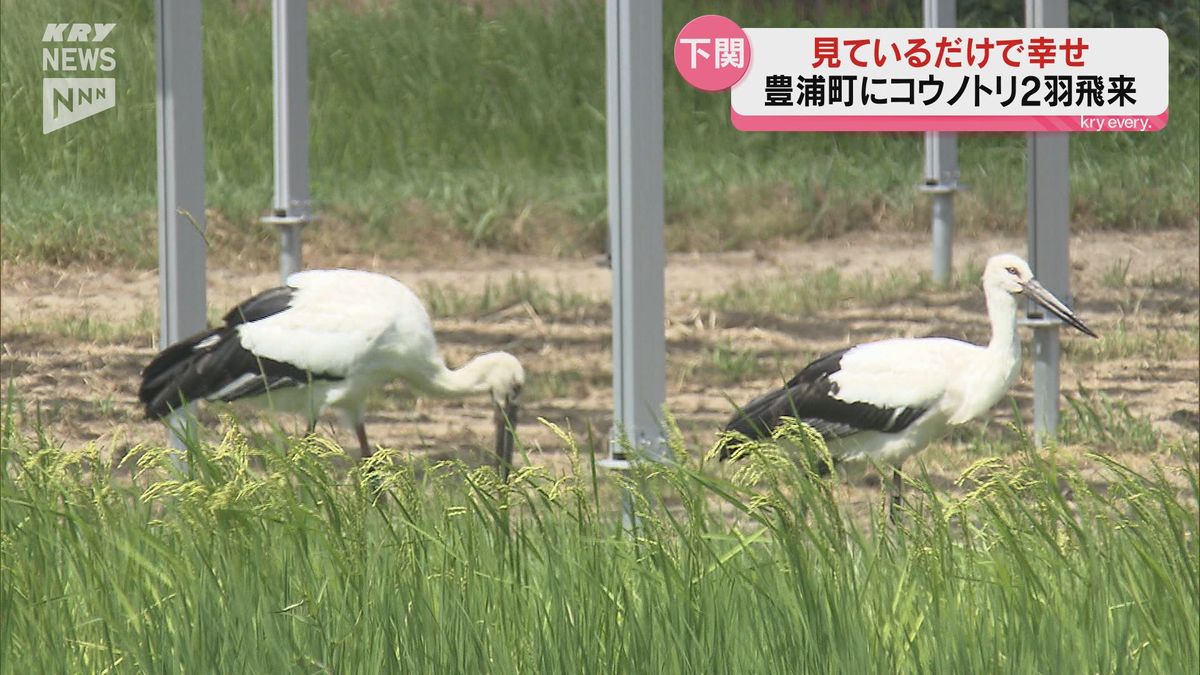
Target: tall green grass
(484,123)
(266,555)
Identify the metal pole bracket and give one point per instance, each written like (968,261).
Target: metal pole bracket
(939,188)
(286,221)
(1039,322)
(645,450)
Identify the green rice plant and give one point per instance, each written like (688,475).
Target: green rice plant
(87,328)
(264,553)
(1116,275)
(448,300)
(1170,279)
(734,364)
(1105,424)
(1161,343)
(798,295)
(562,384)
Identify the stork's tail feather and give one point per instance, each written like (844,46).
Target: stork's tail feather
(170,380)
(757,421)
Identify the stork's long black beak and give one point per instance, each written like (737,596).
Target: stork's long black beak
(1045,298)
(506,435)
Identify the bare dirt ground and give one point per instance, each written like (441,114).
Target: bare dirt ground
(74,341)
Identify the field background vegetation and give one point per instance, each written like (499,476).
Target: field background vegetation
(457,125)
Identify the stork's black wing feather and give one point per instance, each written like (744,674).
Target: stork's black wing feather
(213,364)
(158,373)
(811,397)
(267,303)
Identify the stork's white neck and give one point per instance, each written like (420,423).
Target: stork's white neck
(1002,313)
(985,382)
(453,383)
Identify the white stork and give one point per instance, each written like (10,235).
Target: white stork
(325,341)
(885,401)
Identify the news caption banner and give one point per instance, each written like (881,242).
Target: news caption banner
(911,79)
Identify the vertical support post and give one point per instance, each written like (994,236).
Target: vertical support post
(1049,208)
(292,207)
(635,217)
(180,130)
(941,164)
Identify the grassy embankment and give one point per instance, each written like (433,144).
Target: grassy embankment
(442,125)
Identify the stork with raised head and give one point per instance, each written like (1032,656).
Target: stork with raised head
(325,341)
(885,401)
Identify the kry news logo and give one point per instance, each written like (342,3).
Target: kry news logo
(66,100)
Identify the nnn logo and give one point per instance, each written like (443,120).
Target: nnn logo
(72,48)
(66,100)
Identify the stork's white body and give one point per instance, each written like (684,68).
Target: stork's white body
(956,381)
(885,401)
(366,328)
(325,341)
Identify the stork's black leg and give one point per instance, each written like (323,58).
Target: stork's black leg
(312,426)
(897,500)
(364,447)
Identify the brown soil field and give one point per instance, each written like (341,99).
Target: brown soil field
(74,341)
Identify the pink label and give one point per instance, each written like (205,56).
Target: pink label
(712,53)
(946,79)
(948,123)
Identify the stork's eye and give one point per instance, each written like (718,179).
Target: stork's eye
(1012,271)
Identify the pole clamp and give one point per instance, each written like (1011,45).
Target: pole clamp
(620,459)
(1039,322)
(285,220)
(938,188)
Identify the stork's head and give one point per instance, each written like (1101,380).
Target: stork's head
(1009,273)
(505,377)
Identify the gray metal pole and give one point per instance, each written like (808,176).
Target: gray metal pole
(635,208)
(1049,205)
(941,165)
(181,245)
(292,207)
